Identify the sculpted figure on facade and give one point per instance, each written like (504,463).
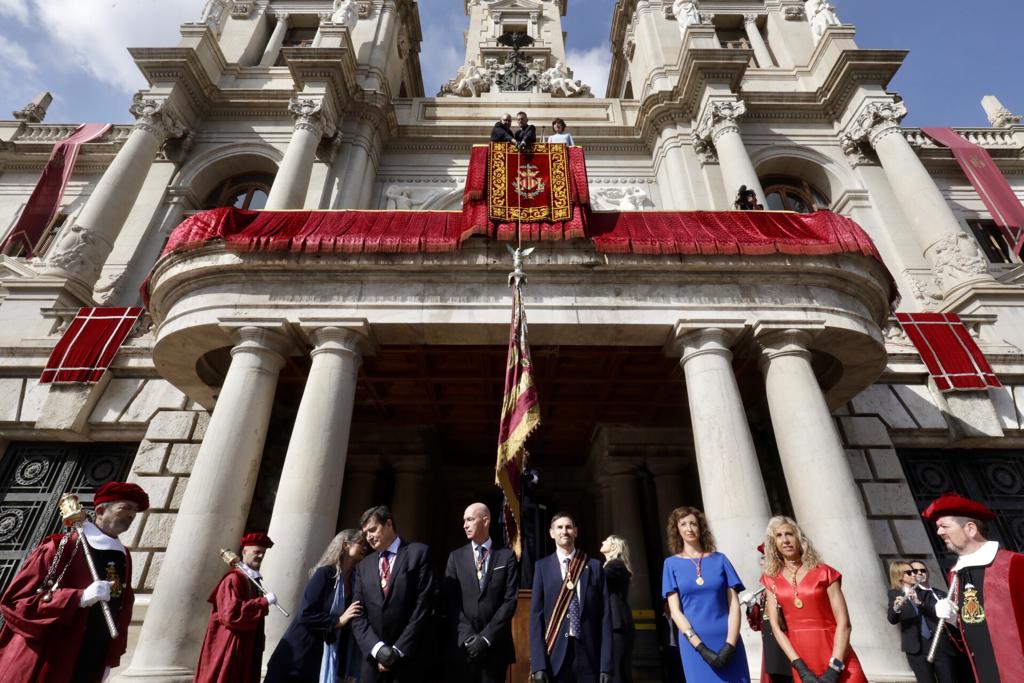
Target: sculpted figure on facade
(957,258)
(398,198)
(820,15)
(686,13)
(558,81)
(346,13)
(214,14)
(622,199)
(998,115)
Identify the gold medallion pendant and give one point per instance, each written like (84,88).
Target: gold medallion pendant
(798,603)
(972,612)
(570,585)
(383,583)
(700,581)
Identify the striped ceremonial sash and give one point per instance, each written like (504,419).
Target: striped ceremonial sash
(569,584)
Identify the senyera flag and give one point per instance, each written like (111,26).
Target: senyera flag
(520,415)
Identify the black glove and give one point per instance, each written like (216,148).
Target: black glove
(387,656)
(709,655)
(604,678)
(806,675)
(830,676)
(475,646)
(539,677)
(725,654)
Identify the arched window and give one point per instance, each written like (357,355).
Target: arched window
(785,193)
(247,191)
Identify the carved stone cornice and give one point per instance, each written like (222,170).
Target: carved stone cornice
(876,120)
(153,116)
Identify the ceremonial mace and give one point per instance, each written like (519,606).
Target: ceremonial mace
(74,516)
(942,622)
(232,559)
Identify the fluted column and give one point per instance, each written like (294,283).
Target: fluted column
(719,124)
(292,180)
(407,505)
(825,496)
(764,58)
(309,492)
(954,256)
(82,249)
(276,40)
(213,511)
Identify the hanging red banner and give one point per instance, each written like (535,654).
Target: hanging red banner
(528,186)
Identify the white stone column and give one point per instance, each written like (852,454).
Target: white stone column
(719,123)
(276,39)
(825,497)
(954,256)
(309,493)
(82,250)
(761,53)
(292,180)
(407,506)
(731,484)
(213,511)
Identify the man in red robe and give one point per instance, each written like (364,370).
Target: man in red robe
(233,647)
(54,631)
(987,606)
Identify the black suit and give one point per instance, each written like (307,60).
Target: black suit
(399,620)
(502,134)
(526,136)
(573,660)
(484,613)
(914,643)
(623,630)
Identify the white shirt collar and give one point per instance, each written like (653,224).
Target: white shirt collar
(246,569)
(99,540)
(486,544)
(562,556)
(393,548)
(979,558)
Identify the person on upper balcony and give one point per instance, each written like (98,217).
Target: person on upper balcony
(560,136)
(526,134)
(502,131)
(746,200)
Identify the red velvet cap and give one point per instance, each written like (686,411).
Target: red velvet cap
(955,505)
(118,490)
(257,539)
(760,548)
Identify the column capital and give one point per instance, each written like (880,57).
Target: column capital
(345,335)
(751,18)
(687,334)
(259,336)
(153,115)
(283,17)
(777,343)
(875,120)
(720,115)
(310,114)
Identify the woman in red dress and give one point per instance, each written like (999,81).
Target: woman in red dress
(806,608)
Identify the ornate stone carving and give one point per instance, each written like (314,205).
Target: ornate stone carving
(998,115)
(706,152)
(629,47)
(632,198)
(151,116)
(309,115)
(241,9)
(346,13)
(876,120)
(924,290)
(71,253)
(470,80)
(108,290)
(328,148)
(365,9)
(895,335)
(403,44)
(956,258)
(719,117)
(686,12)
(35,111)
(820,15)
(794,13)
(214,14)
(404,198)
(855,150)
(750,18)
(558,81)
(177,149)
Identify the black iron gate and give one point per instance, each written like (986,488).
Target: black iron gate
(33,476)
(994,477)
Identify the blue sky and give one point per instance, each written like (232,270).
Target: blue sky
(959,51)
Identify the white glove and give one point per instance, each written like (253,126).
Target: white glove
(945,609)
(97,591)
(271,598)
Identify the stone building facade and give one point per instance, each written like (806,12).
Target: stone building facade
(291,391)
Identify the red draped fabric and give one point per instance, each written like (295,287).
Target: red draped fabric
(45,198)
(988,181)
(89,345)
(949,352)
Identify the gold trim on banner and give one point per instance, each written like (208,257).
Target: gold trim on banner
(498,207)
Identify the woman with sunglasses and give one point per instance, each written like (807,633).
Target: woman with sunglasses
(912,606)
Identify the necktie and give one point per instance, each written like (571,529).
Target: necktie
(385,571)
(480,563)
(574,608)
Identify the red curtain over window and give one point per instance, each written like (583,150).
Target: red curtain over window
(89,345)
(949,352)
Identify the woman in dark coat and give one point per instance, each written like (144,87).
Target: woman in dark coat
(318,646)
(619,572)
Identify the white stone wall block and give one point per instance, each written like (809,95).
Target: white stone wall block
(918,400)
(158,488)
(885,544)
(1006,410)
(153,571)
(183,456)
(202,422)
(171,426)
(156,395)
(139,560)
(864,431)
(115,399)
(157,530)
(130,538)
(912,535)
(886,463)
(10,398)
(859,464)
(179,493)
(150,458)
(32,403)
(880,400)
(889,499)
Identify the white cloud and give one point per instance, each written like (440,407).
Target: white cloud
(15,8)
(591,66)
(95,34)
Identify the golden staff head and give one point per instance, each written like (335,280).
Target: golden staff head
(71,510)
(230,557)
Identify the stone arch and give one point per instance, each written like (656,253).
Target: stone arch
(816,168)
(206,170)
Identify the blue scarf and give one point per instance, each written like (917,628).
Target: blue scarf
(329,663)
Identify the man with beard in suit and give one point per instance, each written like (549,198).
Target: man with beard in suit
(394,584)
(570,613)
(480,586)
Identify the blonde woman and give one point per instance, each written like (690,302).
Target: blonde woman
(907,610)
(618,572)
(806,607)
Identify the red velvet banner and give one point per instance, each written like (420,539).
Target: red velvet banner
(89,345)
(949,352)
(528,186)
(988,181)
(49,190)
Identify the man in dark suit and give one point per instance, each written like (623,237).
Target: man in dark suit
(394,584)
(502,131)
(480,586)
(947,657)
(582,643)
(526,134)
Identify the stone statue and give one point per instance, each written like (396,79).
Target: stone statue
(398,198)
(686,12)
(346,13)
(621,199)
(34,111)
(213,15)
(820,15)
(469,81)
(557,80)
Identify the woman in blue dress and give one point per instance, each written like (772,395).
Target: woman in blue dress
(702,590)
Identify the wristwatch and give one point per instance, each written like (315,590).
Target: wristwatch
(689,634)
(836,664)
